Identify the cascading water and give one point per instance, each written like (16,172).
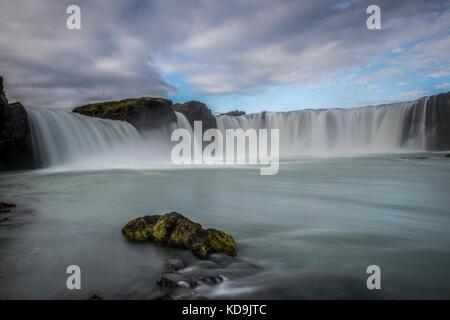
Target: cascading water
(182,121)
(372,129)
(60,137)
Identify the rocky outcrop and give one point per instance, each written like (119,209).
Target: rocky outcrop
(16,147)
(143,113)
(197,111)
(175,230)
(234,113)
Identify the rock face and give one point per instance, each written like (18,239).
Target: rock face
(175,230)
(197,111)
(143,113)
(438,122)
(16,147)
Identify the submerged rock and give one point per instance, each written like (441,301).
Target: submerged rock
(6,207)
(175,230)
(176,264)
(16,148)
(183,283)
(170,281)
(143,113)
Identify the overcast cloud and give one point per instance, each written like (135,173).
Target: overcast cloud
(126,48)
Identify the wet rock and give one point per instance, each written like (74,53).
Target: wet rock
(170,281)
(209,280)
(181,294)
(6,207)
(183,284)
(175,230)
(176,264)
(143,113)
(16,147)
(197,111)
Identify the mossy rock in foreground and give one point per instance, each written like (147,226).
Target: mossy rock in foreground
(175,230)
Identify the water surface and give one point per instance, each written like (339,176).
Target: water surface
(308,232)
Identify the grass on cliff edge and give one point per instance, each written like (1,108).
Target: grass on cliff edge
(114,107)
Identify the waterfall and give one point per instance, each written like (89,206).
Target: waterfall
(182,121)
(60,136)
(372,129)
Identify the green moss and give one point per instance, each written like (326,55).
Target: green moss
(200,251)
(219,241)
(175,230)
(136,230)
(117,108)
(184,234)
(162,230)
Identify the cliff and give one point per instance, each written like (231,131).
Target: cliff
(15,135)
(197,111)
(143,113)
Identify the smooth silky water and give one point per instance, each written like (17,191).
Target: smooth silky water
(309,231)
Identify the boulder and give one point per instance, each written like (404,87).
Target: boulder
(144,113)
(16,148)
(197,111)
(175,230)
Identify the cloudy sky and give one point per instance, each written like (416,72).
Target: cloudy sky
(252,55)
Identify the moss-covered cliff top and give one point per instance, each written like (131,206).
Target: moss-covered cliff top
(143,113)
(104,109)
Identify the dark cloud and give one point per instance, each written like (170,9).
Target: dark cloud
(46,64)
(221,47)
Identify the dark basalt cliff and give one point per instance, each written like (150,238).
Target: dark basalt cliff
(437,121)
(143,113)
(15,135)
(197,111)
